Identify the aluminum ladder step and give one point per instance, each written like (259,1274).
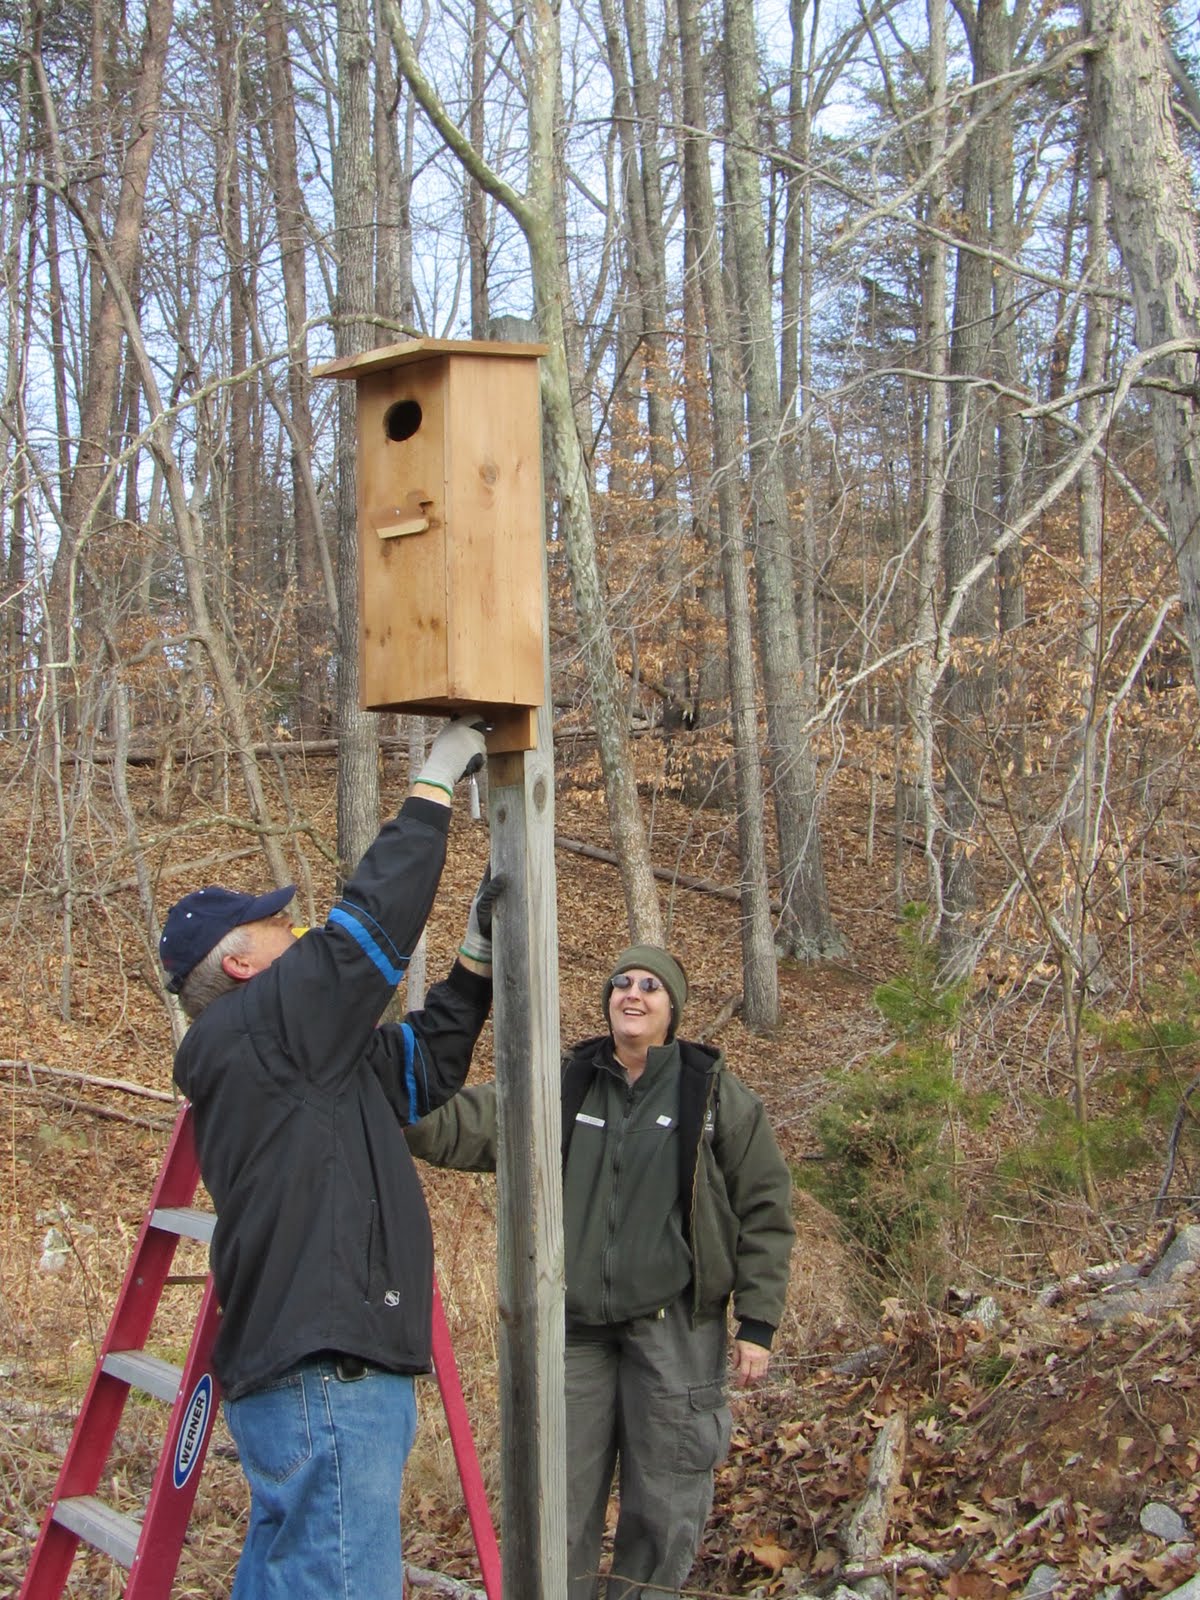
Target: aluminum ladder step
(99,1525)
(150,1374)
(187,1221)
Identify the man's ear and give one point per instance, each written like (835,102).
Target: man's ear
(239,968)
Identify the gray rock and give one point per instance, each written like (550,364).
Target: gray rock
(1185,1248)
(1186,1591)
(986,1311)
(1163,1521)
(1159,1289)
(1043,1582)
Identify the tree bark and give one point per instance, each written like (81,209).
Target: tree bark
(650,266)
(354,204)
(970,520)
(475,207)
(806,929)
(241,519)
(760,977)
(934,291)
(394,310)
(1153,221)
(82,500)
(312,616)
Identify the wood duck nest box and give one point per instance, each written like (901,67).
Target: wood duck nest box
(450,540)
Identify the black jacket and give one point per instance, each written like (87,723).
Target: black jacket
(300,1101)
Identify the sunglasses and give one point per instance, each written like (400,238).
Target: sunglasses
(622,980)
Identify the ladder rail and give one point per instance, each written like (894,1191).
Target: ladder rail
(462,1441)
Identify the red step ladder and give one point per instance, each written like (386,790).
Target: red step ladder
(150,1546)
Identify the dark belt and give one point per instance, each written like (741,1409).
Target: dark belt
(349,1368)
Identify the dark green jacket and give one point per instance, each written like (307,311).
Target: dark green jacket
(679,1179)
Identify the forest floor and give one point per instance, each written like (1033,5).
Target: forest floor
(1035,1434)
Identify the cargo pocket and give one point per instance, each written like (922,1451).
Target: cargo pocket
(707,1424)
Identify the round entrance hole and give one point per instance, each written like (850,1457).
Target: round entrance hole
(402,420)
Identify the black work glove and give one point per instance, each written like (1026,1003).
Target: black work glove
(477,941)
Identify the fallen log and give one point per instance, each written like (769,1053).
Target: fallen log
(898,1561)
(124,1085)
(71,1102)
(867,1532)
(420,1581)
(664,874)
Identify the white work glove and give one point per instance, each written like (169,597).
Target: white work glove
(458,749)
(477,941)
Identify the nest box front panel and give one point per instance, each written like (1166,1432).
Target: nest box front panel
(402,531)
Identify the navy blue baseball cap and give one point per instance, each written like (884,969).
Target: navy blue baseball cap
(198,922)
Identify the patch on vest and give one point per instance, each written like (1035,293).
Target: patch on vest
(392,1297)
(664,1121)
(592,1122)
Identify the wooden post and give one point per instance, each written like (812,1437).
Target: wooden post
(529,1167)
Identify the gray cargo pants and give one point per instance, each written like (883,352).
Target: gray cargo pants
(650,1394)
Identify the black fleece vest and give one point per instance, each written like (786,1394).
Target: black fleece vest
(696,1083)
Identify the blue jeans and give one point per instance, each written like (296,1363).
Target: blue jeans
(324,1458)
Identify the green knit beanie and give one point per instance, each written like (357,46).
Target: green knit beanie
(651,958)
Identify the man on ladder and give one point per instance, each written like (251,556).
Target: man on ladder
(322,1254)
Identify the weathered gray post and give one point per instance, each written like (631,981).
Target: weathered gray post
(529,1185)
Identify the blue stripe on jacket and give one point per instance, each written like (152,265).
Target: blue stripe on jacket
(392,967)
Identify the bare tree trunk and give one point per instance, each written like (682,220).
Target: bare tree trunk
(708,691)
(933,502)
(1066,311)
(806,927)
(104,342)
(312,617)
(629,312)
(760,977)
(1010,454)
(395,116)
(241,518)
(14,468)
(650,266)
(1153,220)
(476,198)
(354,206)
(970,524)
(812,74)
(1083,805)
(796,339)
